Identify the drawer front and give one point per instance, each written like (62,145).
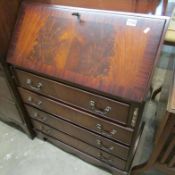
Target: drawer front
(83,119)
(79,133)
(96,104)
(9,111)
(82,146)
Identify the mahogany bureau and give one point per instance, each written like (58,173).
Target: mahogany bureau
(83,76)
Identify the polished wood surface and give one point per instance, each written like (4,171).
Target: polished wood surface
(83,119)
(79,133)
(98,105)
(119,5)
(83,75)
(8,15)
(138,6)
(82,146)
(68,44)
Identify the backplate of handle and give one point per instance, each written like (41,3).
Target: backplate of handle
(45,130)
(104,111)
(36,87)
(35,103)
(103,158)
(104,132)
(37,116)
(102,146)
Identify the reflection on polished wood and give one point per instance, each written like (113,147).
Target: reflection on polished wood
(54,42)
(138,6)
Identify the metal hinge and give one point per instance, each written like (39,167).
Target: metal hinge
(134,117)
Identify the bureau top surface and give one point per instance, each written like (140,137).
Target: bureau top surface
(109,52)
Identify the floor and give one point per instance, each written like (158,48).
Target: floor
(19,155)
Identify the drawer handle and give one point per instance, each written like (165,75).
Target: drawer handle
(47,131)
(36,115)
(102,146)
(103,158)
(36,88)
(99,111)
(105,133)
(38,103)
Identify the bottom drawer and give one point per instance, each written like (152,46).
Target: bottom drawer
(84,147)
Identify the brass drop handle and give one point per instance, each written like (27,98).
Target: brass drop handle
(36,115)
(38,103)
(47,131)
(99,111)
(102,146)
(105,133)
(103,158)
(36,88)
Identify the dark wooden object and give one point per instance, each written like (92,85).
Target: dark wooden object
(163,153)
(70,66)
(8,15)
(137,6)
(94,65)
(10,110)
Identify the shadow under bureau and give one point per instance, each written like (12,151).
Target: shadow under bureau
(83,76)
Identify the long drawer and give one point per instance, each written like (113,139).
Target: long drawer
(83,119)
(93,103)
(80,133)
(82,146)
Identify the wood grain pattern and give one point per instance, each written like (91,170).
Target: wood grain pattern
(8,14)
(139,6)
(102,51)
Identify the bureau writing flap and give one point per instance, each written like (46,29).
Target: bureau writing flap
(104,51)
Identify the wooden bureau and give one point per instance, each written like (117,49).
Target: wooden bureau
(84,76)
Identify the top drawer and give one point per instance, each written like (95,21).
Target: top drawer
(93,103)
